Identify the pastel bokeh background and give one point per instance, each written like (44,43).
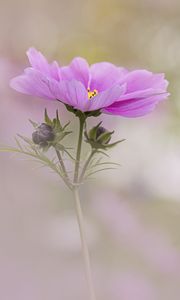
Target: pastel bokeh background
(133,213)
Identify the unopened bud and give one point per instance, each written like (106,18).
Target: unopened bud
(43,135)
(101,130)
(99,137)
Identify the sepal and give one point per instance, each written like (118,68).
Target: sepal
(99,137)
(83,115)
(49,133)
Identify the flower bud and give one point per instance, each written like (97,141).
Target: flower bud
(100,131)
(43,135)
(98,137)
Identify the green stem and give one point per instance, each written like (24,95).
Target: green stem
(85,251)
(79,213)
(65,176)
(86,165)
(78,154)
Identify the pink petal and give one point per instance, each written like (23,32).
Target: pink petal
(104,75)
(135,108)
(141,94)
(144,90)
(77,70)
(74,94)
(106,98)
(32,82)
(142,80)
(71,92)
(40,63)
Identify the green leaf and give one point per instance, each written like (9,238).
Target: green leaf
(10,149)
(58,124)
(59,147)
(94,172)
(46,118)
(34,124)
(105,163)
(18,144)
(93,132)
(25,139)
(102,152)
(67,152)
(115,143)
(65,126)
(105,137)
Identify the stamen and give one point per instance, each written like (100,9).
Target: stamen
(91,94)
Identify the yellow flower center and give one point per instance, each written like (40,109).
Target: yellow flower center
(91,94)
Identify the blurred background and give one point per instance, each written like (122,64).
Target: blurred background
(133,213)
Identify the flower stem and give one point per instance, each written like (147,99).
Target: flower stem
(86,165)
(84,244)
(79,213)
(78,154)
(65,176)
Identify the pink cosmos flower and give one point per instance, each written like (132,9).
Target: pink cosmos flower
(101,86)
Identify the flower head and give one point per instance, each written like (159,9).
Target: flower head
(101,86)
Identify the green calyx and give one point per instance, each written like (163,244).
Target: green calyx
(83,115)
(49,133)
(99,137)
